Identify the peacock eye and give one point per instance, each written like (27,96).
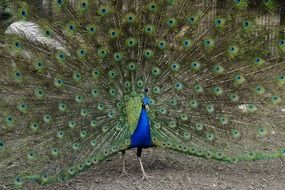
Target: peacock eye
(103,10)
(84,5)
(18,45)
(24,13)
(2,144)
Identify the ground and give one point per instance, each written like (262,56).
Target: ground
(175,171)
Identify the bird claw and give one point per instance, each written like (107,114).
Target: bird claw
(147,178)
(124,174)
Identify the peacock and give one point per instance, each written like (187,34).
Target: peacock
(81,81)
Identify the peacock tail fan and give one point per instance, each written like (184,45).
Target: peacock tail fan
(71,89)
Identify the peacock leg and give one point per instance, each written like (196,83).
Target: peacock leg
(124,173)
(144,176)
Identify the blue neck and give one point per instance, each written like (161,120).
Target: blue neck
(141,138)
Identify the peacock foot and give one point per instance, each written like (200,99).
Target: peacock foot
(146,177)
(124,174)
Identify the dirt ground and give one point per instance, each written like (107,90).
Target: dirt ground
(171,170)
